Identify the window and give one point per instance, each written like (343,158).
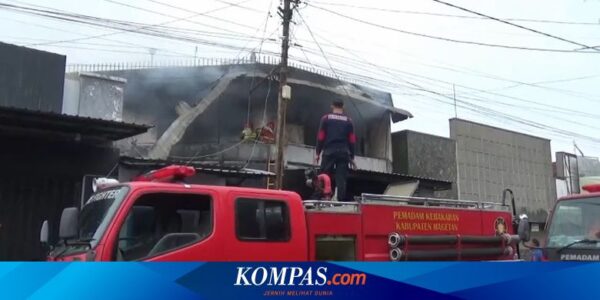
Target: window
(262,220)
(162,222)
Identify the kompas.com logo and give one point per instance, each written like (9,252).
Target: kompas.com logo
(295,276)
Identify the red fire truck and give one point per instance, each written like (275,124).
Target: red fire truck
(158,217)
(573,230)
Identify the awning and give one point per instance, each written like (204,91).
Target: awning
(23,122)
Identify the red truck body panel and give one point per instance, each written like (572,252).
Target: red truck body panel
(372,225)
(368,226)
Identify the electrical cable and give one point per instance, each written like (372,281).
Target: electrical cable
(245,26)
(383,68)
(343,84)
(264,120)
(489,112)
(135,29)
(448,39)
(515,25)
(390,10)
(195,14)
(469,72)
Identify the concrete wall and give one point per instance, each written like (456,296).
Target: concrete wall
(491,159)
(425,155)
(94,96)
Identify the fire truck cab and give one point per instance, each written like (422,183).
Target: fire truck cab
(152,220)
(573,230)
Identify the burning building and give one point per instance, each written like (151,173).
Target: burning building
(222,114)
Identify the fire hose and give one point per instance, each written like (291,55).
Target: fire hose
(449,254)
(497,246)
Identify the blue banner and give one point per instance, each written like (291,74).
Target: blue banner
(454,280)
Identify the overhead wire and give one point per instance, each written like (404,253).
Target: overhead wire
(516,25)
(440,38)
(343,84)
(195,156)
(240,6)
(391,10)
(379,67)
(134,30)
(251,89)
(181,9)
(487,111)
(124,43)
(166,35)
(470,72)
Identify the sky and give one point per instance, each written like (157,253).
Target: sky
(555,95)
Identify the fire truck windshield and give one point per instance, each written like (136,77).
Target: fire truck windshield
(575,220)
(98,212)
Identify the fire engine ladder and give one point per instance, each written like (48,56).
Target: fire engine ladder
(271,167)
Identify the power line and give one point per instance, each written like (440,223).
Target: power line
(264,120)
(329,63)
(467,71)
(445,38)
(494,113)
(389,10)
(112,23)
(537,84)
(240,6)
(181,9)
(135,30)
(266,23)
(352,62)
(514,25)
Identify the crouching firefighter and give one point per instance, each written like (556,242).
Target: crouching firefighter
(320,185)
(336,140)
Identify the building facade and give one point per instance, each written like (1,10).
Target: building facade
(200,113)
(492,159)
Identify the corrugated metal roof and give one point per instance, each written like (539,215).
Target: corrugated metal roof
(19,120)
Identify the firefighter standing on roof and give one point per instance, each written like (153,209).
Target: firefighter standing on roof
(336,140)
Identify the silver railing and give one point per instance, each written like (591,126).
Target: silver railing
(423,201)
(331,206)
(204,62)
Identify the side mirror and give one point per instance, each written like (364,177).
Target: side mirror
(68,223)
(524,229)
(44,233)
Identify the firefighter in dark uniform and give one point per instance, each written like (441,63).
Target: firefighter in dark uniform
(336,140)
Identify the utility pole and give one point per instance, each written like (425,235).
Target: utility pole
(455,109)
(152,51)
(286,15)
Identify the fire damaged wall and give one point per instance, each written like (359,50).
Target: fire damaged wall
(198,111)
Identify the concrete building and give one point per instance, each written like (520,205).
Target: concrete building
(492,159)
(425,155)
(200,110)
